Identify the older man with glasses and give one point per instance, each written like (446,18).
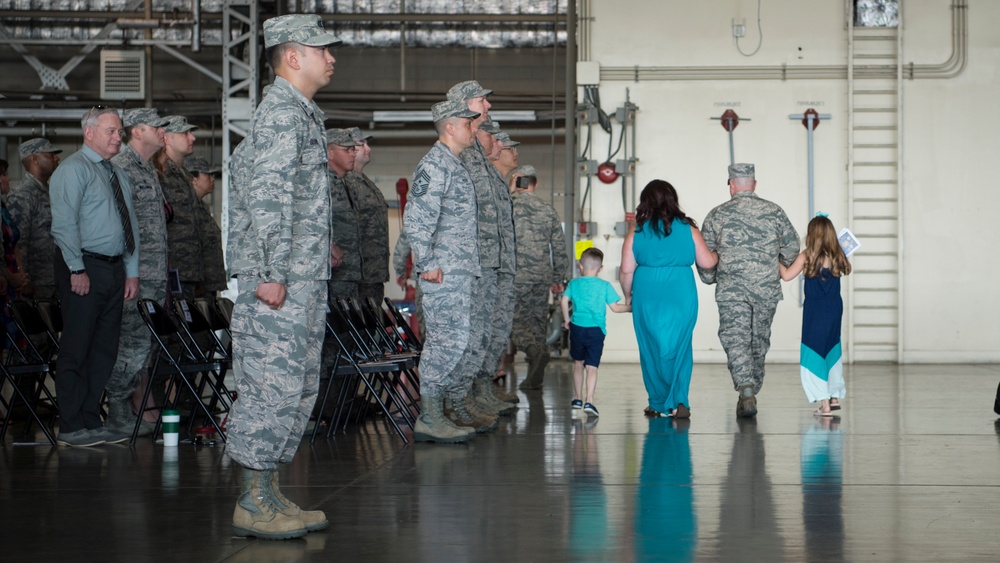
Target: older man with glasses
(96,229)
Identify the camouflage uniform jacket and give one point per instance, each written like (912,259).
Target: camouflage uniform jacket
(279,214)
(29,207)
(374,227)
(213,269)
(440,217)
(505,215)
(540,241)
(751,235)
(183,245)
(346,231)
(486,198)
(147,197)
(400,255)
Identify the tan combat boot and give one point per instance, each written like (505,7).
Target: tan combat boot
(459,413)
(501,394)
(313,519)
(433,426)
(257,514)
(482,393)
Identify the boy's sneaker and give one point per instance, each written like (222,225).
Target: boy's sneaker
(576,404)
(589,408)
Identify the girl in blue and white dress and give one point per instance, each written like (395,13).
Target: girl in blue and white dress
(823,263)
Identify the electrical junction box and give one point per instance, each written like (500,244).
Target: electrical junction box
(588,73)
(621,228)
(586,228)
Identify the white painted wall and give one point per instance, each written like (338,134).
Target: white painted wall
(949,151)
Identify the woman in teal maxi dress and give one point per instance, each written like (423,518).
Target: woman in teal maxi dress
(657,278)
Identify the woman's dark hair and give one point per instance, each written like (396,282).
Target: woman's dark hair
(658,207)
(4,165)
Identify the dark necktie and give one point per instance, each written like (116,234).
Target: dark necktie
(122,209)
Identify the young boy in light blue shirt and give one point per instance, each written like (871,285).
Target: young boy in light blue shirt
(591,296)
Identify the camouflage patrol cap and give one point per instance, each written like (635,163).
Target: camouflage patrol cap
(504,138)
(340,137)
(305,29)
(451,108)
(200,165)
(525,170)
(359,136)
(35,146)
(741,170)
(468,89)
(178,124)
(489,126)
(142,116)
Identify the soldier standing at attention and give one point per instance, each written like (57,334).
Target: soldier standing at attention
(440,224)
(480,408)
(374,222)
(29,207)
(541,268)
(213,262)
(508,160)
(184,252)
(144,129)
(340,152)
(279,249)
(751,235)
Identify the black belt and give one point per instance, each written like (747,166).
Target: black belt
(104,257)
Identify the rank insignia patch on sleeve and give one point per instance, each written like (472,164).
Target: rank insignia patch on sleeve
(420,183)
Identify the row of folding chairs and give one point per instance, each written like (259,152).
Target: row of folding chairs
(192,358)
(374,368)
(29,366)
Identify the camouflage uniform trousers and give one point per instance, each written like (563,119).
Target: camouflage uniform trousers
(373,290)
(745,333)
(276,365)
(531,323)
(135,344)
(484,302)
(342,290)
(447,310)
(502,317)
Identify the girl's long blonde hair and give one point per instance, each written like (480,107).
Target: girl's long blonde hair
(821,242)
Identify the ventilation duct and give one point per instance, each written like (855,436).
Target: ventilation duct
(123,75)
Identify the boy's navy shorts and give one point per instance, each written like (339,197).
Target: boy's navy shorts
(586,343)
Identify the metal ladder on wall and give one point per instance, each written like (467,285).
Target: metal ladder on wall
(874,304)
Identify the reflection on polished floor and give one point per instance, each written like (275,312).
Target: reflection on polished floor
(908,472)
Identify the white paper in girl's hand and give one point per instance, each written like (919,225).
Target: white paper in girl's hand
(848,241)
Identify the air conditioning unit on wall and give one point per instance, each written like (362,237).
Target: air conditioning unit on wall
(123,75)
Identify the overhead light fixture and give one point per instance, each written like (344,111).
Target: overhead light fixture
(425,116)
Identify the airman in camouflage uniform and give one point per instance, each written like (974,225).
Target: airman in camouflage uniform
(184,247)
(145,136)
(440,224)
(340,152)
(751,236)
(508,160)
(541,268)
(374,222)
(484,300)
(29,207)
(400,256)
(213,265)
(279,247)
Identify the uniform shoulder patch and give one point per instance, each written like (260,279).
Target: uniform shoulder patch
(421,181)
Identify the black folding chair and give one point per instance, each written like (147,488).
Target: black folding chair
(182,366)
(206,345)
(411,340)
(33,364)
(354,370)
